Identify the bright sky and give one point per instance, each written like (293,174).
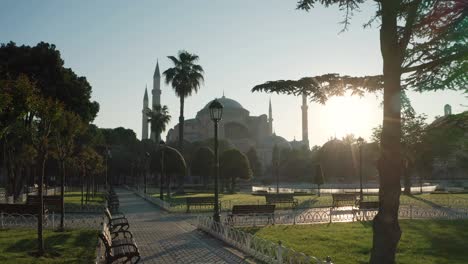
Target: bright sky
(115,44)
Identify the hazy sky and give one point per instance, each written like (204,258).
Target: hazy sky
(115,44)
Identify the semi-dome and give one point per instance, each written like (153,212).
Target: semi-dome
(227,103)
(270,141)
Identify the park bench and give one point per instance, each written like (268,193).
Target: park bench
(267,210)
(287,198)
(344,199)
(119,247)
(112,200)
(51,202)
(21,209)
(199,201)
(116,222)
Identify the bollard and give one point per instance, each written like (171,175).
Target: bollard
(279,253)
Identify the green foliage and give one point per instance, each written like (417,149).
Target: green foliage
(202,164)
(320,88)
(234,164)
(255,164)
(159,118)
(43,64)
(186,76)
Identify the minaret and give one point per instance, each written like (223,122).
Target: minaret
(270,119)
(305,127)
(144,121)
(156,95)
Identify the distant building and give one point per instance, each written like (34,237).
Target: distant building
(156,101)
(237,126)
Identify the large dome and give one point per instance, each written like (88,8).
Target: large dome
(227,103)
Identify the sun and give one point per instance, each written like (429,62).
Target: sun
(351,115)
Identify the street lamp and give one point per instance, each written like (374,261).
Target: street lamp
(360,142)
(162,146)
(108,156)
(216,113)
(145,170)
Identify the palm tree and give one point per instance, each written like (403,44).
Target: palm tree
(185,77)
(159,118)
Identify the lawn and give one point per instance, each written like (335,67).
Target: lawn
(18,246)
(75,198)
(422,241)
(306,201)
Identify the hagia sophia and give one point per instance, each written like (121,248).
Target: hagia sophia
(237,126)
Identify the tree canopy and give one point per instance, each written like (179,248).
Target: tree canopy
(45,68)
(234,164)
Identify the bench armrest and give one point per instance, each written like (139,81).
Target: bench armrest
(126,244)
(125,233)
(118,216)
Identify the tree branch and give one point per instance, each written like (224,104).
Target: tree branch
(408,30)
(434,63)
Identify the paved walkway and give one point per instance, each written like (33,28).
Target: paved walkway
(168,238)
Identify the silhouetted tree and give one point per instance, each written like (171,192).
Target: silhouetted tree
(67,128)
(202,164)
(255,163)
(233,165)
(185,78)
(43,65)
(420,40)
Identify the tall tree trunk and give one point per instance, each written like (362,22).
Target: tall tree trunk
(386,228)
(181,125)
(87,188)
(40,217)
(62,194)
(82,186)
(233,184)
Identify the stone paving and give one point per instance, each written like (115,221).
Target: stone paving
(169,238)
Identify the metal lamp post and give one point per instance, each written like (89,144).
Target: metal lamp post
(162,145)
(360,141)
(146,169)
(216,113)
(108,156)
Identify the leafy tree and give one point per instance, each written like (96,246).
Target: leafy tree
(159,118)
(47,112)
(202,164)
(413,130)
(234,164)
(16,98)
(255,163)
(423,48)
(185,78)
(67,128)
(45,67)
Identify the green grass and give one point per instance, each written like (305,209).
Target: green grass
(306,201)
(75,198)
(422,241)
(18,246)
